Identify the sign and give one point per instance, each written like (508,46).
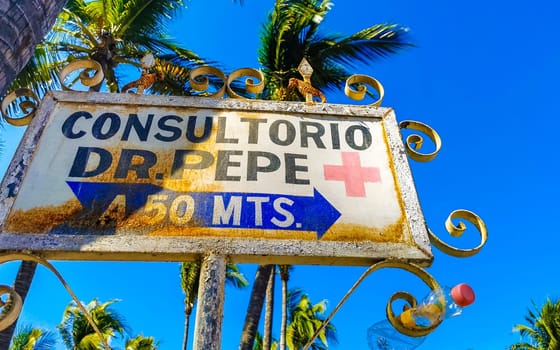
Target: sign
(132,177)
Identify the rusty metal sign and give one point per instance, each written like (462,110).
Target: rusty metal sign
(130,177)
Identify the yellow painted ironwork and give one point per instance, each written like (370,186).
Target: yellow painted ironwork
(395,319)
(10,315)
(251,85)
(10,309)
(28,106)
(415,142)
(85,66)
(458,230)
(200,82)
(360,94)
(306,72)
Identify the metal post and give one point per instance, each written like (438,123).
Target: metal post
(210,305)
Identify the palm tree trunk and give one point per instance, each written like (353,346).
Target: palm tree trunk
(269,310)
(188,311)
(22,284)
(255,307)
(24,23)
(284,275)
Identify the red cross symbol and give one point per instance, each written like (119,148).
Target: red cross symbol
(352,173)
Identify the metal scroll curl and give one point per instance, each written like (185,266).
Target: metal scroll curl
(11,309)
(86,66)
(458,230)
(199,80)
(394,319)
(414,142)
(360,93)
(251,86)
(27,102)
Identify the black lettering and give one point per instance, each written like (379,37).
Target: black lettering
(274,132)
(134,122)
(68,126)
(142,168)
(205,160)
(351,137)
(253,128)
(80,164)
(316,136)
(174,130)
(221,133)
(191,128)
(252,164)
(335,136)
(223,162)
(99,125)
(292,168)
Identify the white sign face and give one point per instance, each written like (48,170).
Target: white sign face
(145,174)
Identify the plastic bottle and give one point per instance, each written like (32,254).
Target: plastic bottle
(438,305)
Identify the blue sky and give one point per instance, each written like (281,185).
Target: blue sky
(484,76)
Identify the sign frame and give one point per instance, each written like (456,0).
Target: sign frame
(253,250)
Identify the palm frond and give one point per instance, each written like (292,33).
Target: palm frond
(543,328)
(235,277)
(28,337)
(372,43)
(145,16)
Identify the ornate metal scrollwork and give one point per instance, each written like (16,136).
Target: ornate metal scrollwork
(405,296)
(414,142)
(360,94)
(86,66)
(28,103)
(200,82)
(12,308)
(251,86)
(458,230)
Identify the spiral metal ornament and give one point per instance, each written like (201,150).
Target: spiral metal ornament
(360,94)
(85,66)
(9,310)
(8,318)
(395,320)
(250,85)
(414,142)
(200,82)
(28,103)
(458,230)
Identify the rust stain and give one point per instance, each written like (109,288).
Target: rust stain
(407,236)
(233,233)
(361,233)
(41,219)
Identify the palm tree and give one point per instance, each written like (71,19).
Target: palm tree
(31,338)
(304,319)
(543,329)
(115,34)
(141,343)
(269,311)
(291,34)
(78,334)
(254,309)
(284,277)
(17,46)
(190,281)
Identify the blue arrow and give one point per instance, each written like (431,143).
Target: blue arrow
(217,209)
